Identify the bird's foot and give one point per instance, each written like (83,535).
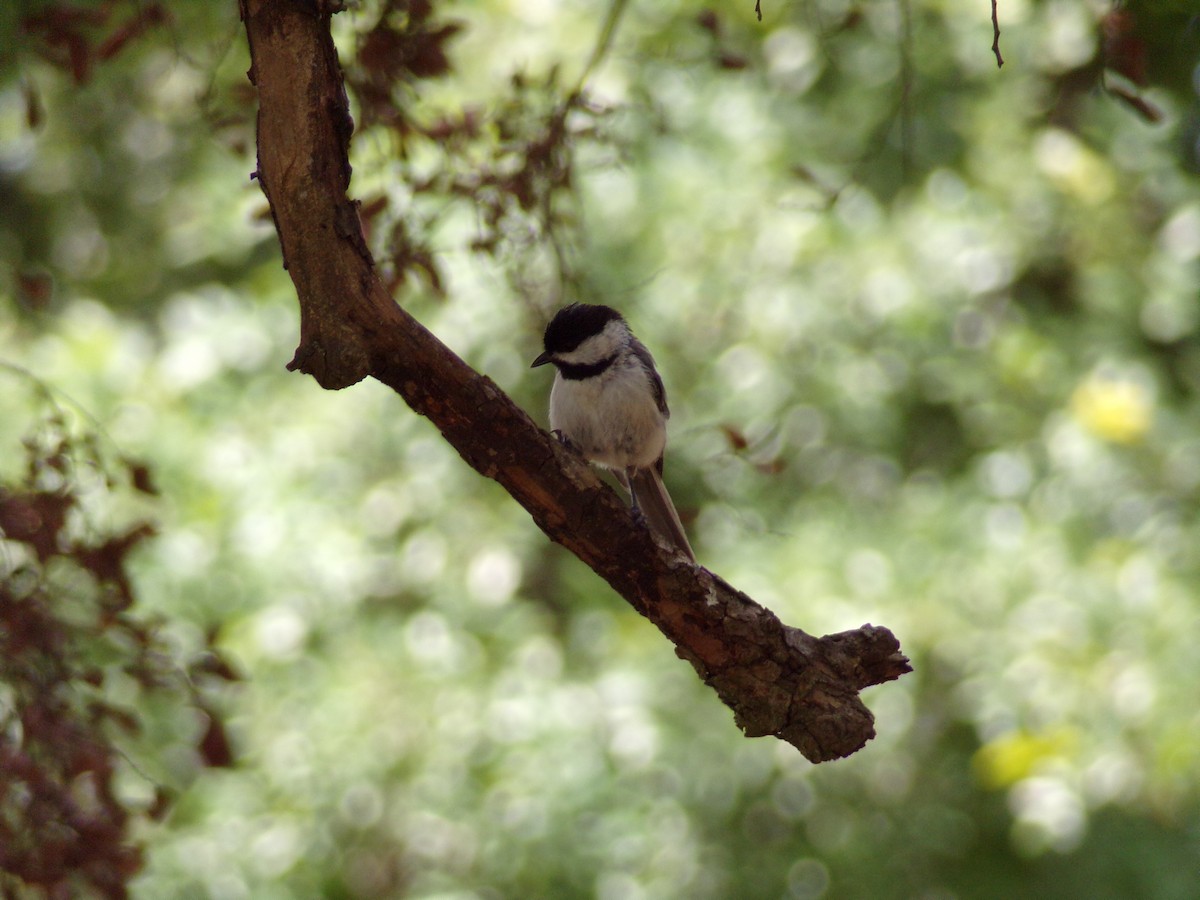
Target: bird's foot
(566,441)
(639,517)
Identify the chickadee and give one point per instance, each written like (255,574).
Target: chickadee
(608,402)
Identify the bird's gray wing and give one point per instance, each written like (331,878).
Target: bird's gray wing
(656,383)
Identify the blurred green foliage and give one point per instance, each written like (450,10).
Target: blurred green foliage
(930,334)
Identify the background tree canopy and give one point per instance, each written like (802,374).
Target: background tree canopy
(929,328)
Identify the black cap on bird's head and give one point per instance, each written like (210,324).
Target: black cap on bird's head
(571,326)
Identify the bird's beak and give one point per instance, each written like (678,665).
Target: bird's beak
(541,360)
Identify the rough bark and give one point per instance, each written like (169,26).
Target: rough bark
(778,680)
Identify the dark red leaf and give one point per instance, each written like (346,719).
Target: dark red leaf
(771,466)
(162,804)
(737,440)
(146,18)
(734,61)
(1124,50)
(107,561)
(35,113)
(215,748)
(34,289)
(139,475)
(709,21)
(80,55)
(214,663)
(35,519)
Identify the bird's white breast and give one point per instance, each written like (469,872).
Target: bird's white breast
(612,418)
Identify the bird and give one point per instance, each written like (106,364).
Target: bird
(608,403)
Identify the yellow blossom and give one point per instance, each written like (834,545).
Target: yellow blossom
(1113,408)
(1006,760)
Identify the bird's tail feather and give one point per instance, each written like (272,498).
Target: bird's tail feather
(650,495)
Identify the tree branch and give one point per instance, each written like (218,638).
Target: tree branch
(778,680)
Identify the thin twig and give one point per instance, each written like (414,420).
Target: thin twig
(996,36)
(603,42)
(48,394)
(906,87)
